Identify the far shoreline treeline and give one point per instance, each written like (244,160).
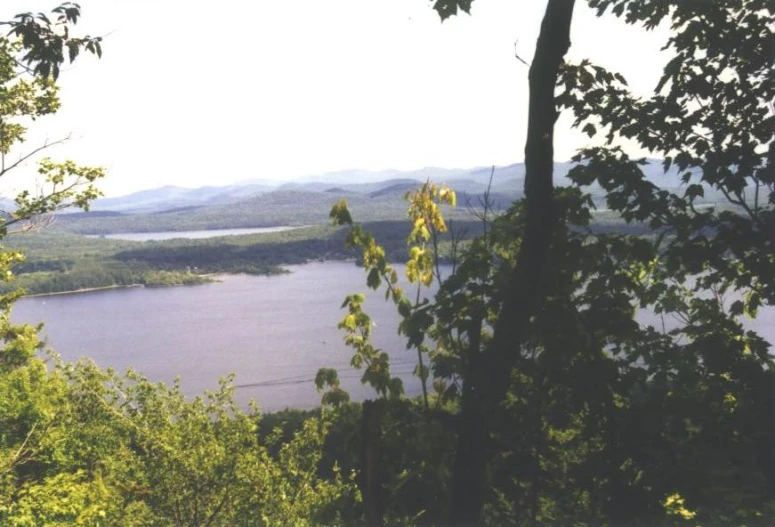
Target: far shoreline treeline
(58,261)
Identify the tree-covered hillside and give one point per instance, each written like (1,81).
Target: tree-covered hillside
(545,400)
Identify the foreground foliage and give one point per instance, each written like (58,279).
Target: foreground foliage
(80,446)
(588,416)
(573,411)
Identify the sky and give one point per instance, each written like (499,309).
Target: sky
(190,93)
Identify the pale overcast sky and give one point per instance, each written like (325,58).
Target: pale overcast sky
(193,93)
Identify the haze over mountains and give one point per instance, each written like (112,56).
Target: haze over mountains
(372,196)
(506,179)
(507,182)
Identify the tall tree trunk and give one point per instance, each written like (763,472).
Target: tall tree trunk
(490,372)
(371,463)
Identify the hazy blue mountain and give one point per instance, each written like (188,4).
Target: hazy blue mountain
(309,202)
(354,176)
(395,190)
(7,204)
(141,199)
(367,188)
(314,186)
(507,181)
(172,197)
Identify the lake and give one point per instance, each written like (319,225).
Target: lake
(273,331)
(191,235)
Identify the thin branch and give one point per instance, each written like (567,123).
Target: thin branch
(24,158)
(741,203)
(16,456)
(24,69)
(35,223)
(423,377)
(58,207)
(217,510)
(456,236)
(487,206)
(516,54)
(435,241)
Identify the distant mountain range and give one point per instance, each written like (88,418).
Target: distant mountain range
(372,196)
(507,184)
(171,197)
(506,180)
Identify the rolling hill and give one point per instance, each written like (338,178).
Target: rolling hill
(373,196)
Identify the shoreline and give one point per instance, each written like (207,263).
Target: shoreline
(84,290)
(211,278)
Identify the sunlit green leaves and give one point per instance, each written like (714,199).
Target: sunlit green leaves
(327,380)
(340,215)
(424,211)
(419,266)
(29,64)
(427,223)
(67,184)
(81,446)
(357,326)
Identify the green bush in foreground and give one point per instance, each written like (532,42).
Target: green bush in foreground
(82,446)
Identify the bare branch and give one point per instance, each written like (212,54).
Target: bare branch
(43,219)
(25,157)
(32,224)
(516,54)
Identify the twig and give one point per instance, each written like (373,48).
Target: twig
(16,456)
(24,158)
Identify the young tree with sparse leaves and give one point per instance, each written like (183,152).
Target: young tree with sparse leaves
(31,53)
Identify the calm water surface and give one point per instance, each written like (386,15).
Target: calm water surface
(273,332)
(171,235)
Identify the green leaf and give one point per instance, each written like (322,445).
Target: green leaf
(374,280)
(339,214)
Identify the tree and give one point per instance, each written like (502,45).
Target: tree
(30,57)
(572,409)
(711,121)
(721,74)
(487,376)
(81,446)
